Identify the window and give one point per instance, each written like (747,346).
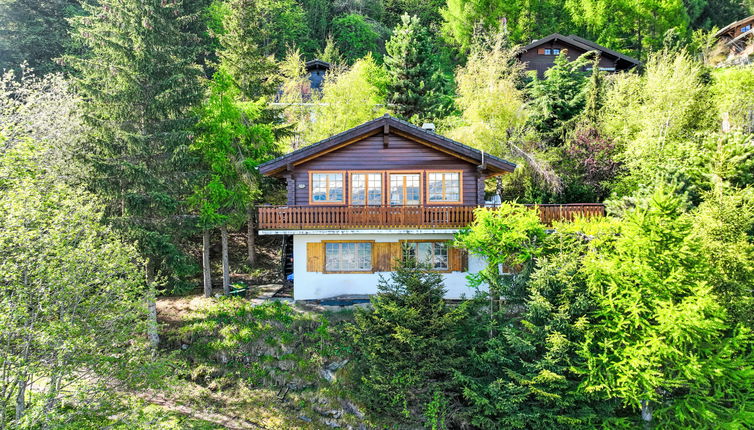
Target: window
(348,256)
(555,51)
(444,187)
(405,189)
(746,28)
(548,51)
(327,187)
(366,189)
(432,254)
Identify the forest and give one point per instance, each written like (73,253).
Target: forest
(130,136)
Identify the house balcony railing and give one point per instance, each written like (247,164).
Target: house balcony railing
(391,217)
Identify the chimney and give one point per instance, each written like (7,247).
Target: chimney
(428,126)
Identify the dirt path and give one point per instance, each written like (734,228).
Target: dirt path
(227,421)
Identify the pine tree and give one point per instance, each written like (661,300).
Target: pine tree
(416,86)
(141,82)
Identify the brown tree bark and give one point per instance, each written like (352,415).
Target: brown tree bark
(226,268)
(206,264)
(251,238)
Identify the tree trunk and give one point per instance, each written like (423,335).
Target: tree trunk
(499,188)
(251,239)
(226,269)
(205,264)
(152,333)
(21,382)
(646,414)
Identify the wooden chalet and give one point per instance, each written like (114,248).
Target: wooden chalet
(737,38)
(357,198)
(540,55)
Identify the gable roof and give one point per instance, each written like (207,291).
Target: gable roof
(580,42)
(391,124)
(317,64)
(733,24)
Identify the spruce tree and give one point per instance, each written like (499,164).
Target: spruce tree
(416,87)
(141,82)
(405,347)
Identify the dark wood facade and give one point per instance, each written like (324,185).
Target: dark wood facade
(371,156)
(388,148)
(540,55)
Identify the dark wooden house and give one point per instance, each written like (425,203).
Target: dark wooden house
(540,54)
(356,199)
(737,38)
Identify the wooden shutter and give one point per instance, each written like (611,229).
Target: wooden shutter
(315,257)
(541,51)
(385,254)
(459,259)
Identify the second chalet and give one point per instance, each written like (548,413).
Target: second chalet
(359,199)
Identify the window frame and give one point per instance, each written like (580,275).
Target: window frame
(421,174)
(351,173)
(416,242)
(445,202)
(328,172)
(548,51)
(555,51)
(372,261)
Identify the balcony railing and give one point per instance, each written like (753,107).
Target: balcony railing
(390,217)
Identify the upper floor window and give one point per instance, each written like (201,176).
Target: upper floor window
(746,28)
(348,256)
(556,52)
(405,189)
(444,187)
(433,254)
(327,187)
(366,189)
(548,51)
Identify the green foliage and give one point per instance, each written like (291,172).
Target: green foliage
(405,346)
(72,297)
(416,87)
(654,118)
(559,98)
(141,82)
(508,237)
(524,20)
(635,26)
(730,90)
(231,142)
(428,11)
(488,96)
(36,32)
(519,370)
(724,228)
(355,36)
(660,338)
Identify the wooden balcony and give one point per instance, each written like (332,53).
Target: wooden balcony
(393,217)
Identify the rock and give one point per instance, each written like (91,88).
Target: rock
(327,375)
(335,365)
(304,418)
(331,423)
(352,409)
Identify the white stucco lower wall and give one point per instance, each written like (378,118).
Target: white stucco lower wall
(314,285)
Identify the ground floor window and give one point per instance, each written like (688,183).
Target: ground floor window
(348,256)
(433,254)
